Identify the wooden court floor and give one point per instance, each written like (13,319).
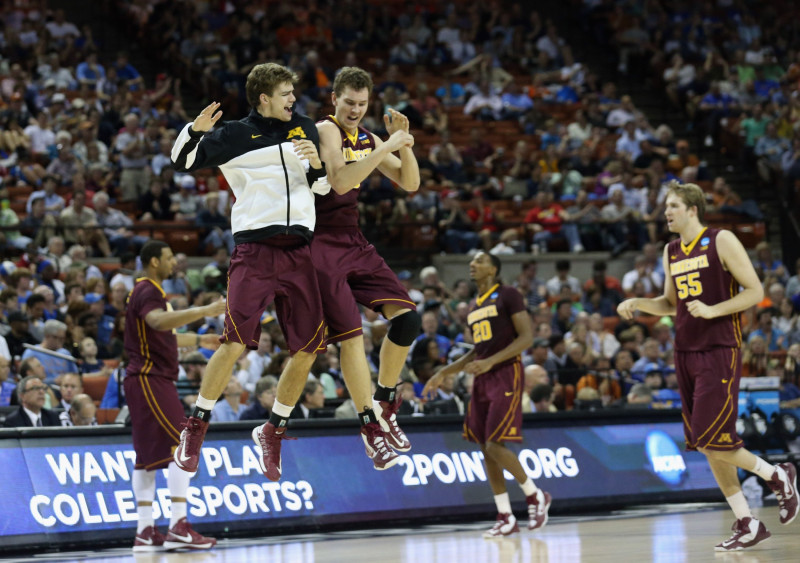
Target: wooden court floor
(666,534)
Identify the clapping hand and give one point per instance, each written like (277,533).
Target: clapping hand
(207,118)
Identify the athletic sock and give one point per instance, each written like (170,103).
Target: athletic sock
(202,409)
(739,505)
(383,393)
(764,469)
(528,487)
(503,503)
(145,514)
(367,416)
(280,414)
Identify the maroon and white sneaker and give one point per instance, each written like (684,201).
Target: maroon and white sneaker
(182,536)
(187,454)
(386,412)
(786,492)
(747,532)
(538,509)
(505,525)
(148,540)
(377,449)
(268,438)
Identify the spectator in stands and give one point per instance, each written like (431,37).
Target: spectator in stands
(651,354)
(116,226)
(755,357)
(457,226)
(90,365)
(617,216)
(229,409)
(81,227)
(774,338)
(19,335)
(769,151)
(753,128)
(313,398)
(42,139)
(81,412)
(89,72)
(547,220)
(155,204)
(55,333)
(602,342)
(53,203)
(769,266)
(484,104)
(601,378)
(542,397)
(251,367)
(71,385)
(683,159)
(642,271)
(215,228)
(186,203)
(31,395)
(7,388)
(639,397)
(264,393)
(131,147)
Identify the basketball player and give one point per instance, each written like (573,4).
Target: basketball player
(270,159)
(501,330)
(349,269)
(707,267)
(156,411)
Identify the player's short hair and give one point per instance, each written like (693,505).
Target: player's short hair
(152,249)
(354,77)
(264,78)
(691,195)
(495,262)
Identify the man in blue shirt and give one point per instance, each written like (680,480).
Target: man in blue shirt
(55,332)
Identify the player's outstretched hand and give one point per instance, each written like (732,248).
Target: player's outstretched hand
(210,341)
(306,150)
(626,309)
(216,308)
(699,309)
(207,118)
(395,121)
(433,384)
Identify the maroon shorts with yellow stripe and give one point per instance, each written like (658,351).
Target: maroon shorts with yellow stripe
(350,271)
(274,270)
(156,417)
(709,387)
(494,413)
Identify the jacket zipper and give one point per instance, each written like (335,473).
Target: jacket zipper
(286,179)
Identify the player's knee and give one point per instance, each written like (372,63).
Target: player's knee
(405,328)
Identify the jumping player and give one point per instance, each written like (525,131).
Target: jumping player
(707,267)
(270,159)
(156,411)
(349,269)
(501,330)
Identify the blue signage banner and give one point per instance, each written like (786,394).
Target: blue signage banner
(70,488)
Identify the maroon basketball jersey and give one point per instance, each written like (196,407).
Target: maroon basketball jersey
(150,352)
(490,320)
(697,273)
(334,210)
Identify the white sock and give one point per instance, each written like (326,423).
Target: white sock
(205,404)
(145,514)
(503,503)
(739,505)
(144,489)
(528,487)
(764,469)
(178,483)
(282,410)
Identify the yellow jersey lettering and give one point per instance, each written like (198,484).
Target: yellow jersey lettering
(689,265)
(296,132)
(482,313)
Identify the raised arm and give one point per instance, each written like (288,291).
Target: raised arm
(160,319)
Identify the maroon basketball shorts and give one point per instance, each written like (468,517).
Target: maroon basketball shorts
(156,417)
(260,274)
(350,272)
(709,387)
(494,413)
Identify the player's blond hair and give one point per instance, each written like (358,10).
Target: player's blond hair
(264,78)
(691,195)
(354,77)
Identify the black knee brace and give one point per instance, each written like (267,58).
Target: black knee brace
(405,328)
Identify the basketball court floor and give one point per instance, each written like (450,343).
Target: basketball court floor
(661,534)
